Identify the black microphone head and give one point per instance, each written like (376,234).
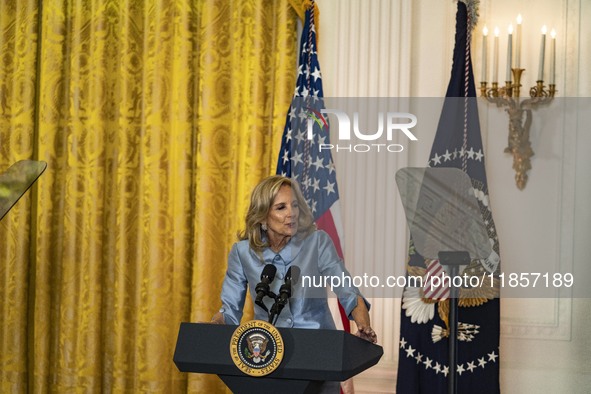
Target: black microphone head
(263,288)
(269,272)
(293,274)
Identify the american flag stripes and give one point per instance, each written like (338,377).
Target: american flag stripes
(435,290)
(300,158)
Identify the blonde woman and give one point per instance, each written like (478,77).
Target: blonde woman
(280,231)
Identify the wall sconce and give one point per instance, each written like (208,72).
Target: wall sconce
(520,111)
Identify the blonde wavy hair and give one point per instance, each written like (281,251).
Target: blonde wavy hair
(261,200)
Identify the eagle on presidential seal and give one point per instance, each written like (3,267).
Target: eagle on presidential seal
(420,306)
(257,347)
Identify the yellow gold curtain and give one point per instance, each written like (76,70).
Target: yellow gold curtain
(156,119)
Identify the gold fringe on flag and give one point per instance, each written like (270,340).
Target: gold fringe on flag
(300,7)
(472,7)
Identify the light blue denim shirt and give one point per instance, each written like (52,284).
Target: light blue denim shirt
(317,259)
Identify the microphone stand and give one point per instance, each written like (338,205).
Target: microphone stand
(280,302)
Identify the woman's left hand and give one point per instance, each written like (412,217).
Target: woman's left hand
(361,316)
(367,333)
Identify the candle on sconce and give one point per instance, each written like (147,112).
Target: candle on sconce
(552,56)
(518,42)
(542,52)
(509,53)
(495,76)
(484,37)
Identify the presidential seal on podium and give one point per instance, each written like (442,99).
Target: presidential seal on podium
(256,348)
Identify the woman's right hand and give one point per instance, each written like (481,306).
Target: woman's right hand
(218,318)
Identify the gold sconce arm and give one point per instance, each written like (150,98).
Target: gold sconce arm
(520,118)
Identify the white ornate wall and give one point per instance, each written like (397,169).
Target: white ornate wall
(365,51)
(403,48)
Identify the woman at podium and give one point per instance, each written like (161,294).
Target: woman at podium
(279,243)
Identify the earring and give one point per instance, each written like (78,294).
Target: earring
(264,226)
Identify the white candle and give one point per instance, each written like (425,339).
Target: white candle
(518,42)
(509,53)
(495,76)
(484,37)
(542,51)
(552,56)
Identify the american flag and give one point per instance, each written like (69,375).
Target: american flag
(423,355)
(300,158)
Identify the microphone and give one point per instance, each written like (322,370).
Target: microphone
(262,289)
(291,278)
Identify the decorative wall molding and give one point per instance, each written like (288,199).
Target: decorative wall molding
(555,324)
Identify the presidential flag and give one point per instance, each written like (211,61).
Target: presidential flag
(423,349)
